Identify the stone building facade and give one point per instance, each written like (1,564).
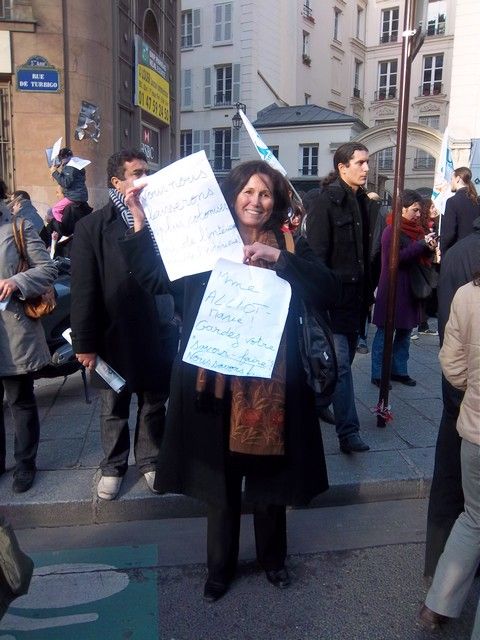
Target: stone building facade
(94,50)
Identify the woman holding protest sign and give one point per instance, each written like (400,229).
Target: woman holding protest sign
(222,430)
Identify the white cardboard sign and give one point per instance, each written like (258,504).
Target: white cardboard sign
(189,217)
(240,321)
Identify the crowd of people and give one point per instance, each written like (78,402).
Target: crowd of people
(334,250)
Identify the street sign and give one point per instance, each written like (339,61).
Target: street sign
(37,75)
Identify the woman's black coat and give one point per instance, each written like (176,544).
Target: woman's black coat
(194,450)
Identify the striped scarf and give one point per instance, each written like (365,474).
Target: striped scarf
(118,201)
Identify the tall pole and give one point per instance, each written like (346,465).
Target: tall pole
(383,409)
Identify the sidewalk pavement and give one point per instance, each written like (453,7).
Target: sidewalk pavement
(399,464)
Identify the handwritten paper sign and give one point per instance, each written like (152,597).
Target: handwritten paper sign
(240,321)
(78,163)
(189,217)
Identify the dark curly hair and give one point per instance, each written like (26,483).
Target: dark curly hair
(241,174)
(116,163)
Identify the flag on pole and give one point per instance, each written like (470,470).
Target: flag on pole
(443,176)
(264,152)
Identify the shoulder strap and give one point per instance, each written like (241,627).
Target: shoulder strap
(290,244)
(18,236)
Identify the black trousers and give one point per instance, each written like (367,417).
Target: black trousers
(446,494)
(149,428)
(223,531)
(21,400)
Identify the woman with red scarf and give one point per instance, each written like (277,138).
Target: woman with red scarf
(414,246)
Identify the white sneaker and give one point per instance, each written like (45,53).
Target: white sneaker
(150,480)
(108,487)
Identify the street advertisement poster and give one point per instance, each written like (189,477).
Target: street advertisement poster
(189,218)
(240,321)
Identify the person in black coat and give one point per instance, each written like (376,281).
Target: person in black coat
(460,210)
(337,229)
(132,330)
(200,456)
(446,494)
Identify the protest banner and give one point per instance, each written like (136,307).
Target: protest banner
(443,176)
(240,321)
(189,217)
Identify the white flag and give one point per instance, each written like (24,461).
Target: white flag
(443,176)
(263,151)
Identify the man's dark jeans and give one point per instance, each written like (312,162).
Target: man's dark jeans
(343,400)
(21,400)
(149,428)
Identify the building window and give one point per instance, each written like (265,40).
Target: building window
(309,160)
(186,89)
(223,86)
(305,43)
(430,121)
(223,22)
(224,82)
(357,78)
(307,98)
(5,9)
(185,143)
(222,160)
(387,80)
(360,28)
(436,18)
(432,75)
(389,30)
(385,159)
(336,24)
(274,149)
(190,28)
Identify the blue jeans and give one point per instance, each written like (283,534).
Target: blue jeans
(400,353)
(343,400)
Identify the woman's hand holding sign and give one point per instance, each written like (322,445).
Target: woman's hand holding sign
(259,251)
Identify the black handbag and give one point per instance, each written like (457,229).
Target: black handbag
(423,279)
(317,351)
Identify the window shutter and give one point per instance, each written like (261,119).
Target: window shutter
(196,146)
(235,152)
(206,142)
(227,18)
(196,27)
(218,23)
(207,100)
(186,89)
(236,83)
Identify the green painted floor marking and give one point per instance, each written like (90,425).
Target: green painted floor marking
(109,593)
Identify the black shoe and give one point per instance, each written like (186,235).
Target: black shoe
(325,415)
(279,578)
(23,480)
(213,591)
(410,382)
(353,443)
(377,381)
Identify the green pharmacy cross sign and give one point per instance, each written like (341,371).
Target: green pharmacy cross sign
(37,75)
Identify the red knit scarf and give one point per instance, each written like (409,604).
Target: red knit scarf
(413,230)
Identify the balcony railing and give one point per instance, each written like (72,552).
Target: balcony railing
(386,94)
(308,171)
(308,13)
(436,29)
(430,89)
(385,164)
(389,37)
(356,92)
(222,99)
(424,164)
